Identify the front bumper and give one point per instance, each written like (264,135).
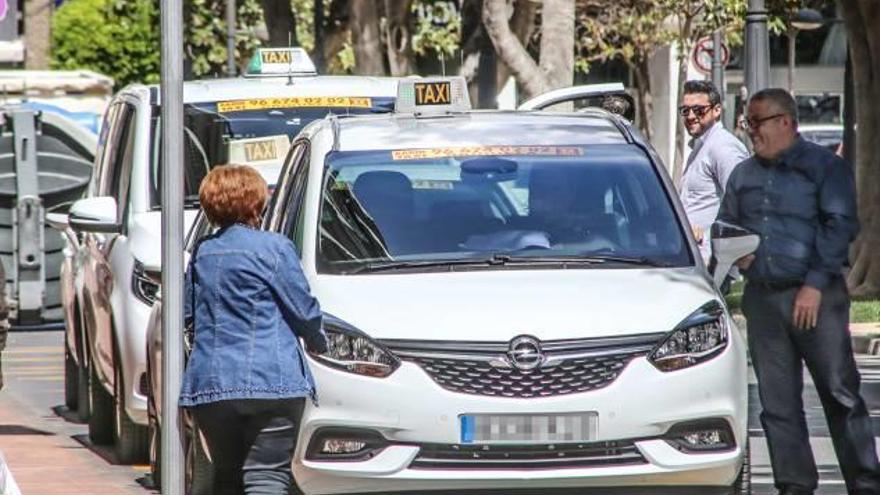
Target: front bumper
(410,409)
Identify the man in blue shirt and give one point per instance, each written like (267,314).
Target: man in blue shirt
(800,198)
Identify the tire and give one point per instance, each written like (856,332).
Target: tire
(71,378)
(198,473)
(130,439)
(743,483)
(101,417)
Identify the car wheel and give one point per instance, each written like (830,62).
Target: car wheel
(101,417)
(71,378)
(743,483)
(155,446)
(199,473)
(129,438)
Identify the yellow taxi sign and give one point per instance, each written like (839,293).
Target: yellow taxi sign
(433,93)
(269,150)
(281,61)
(432,96)
(294,102)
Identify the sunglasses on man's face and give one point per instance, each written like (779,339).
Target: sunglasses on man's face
(699,110)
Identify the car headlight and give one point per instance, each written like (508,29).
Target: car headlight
(349,349)
(700,337)
(144,284)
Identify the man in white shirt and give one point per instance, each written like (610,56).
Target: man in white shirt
(714,154)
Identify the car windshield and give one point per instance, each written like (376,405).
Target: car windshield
(252,132)
(429,208)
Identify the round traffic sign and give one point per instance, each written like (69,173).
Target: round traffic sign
(703,52)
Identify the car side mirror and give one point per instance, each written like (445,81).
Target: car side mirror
(96,214)
(729,243)
(61,223)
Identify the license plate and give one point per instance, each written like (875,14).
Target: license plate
(529,428)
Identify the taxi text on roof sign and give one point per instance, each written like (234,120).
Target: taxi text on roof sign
(433,93)
(294,102)
(464,151)
(432,96)
(280,61)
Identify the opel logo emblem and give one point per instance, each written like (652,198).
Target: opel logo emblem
(525,353)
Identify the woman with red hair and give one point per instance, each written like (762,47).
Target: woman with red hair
(249,303)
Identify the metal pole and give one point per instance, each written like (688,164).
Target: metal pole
(171,96)
(230,38)
(757,70)
(718,63)
(792,34)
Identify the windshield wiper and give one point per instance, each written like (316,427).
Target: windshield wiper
(629,260)
(494,260)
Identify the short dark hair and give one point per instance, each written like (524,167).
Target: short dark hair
(233,194)
(779,97)
(703,87)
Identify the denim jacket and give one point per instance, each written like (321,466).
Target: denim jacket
(248,301)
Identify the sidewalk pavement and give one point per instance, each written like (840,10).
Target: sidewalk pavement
(45,460)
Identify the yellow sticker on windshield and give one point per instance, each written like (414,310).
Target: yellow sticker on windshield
(294,102)
(421,154)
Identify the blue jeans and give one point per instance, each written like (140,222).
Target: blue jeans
(251,442)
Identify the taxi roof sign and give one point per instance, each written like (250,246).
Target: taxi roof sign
(432,96)
(281,62)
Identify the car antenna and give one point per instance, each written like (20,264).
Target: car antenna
(290,62)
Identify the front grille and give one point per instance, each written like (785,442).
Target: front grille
(569,377)
(482,369)
(441,456)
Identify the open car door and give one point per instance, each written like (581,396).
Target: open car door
(610,96)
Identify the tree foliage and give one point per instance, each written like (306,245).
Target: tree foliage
(114,37)
(205,34)
(120,38)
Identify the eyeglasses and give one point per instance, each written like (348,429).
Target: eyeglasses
(699,110)
(753,124)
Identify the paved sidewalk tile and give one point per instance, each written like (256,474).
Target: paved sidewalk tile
(45,461)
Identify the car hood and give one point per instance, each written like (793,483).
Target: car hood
(498,305)
(145,235)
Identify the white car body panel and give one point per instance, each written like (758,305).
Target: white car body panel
(141,237)
(409,407)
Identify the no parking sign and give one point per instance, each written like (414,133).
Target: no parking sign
(703,52)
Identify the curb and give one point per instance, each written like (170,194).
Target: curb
(865,338)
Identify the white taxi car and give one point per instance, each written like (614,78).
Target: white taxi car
(513,301)
(115,270)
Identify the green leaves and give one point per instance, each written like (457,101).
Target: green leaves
(115,37)
(120,38)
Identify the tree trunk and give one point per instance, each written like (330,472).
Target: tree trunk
(365,38)
(678,159)
(862,17)
(645,110)
(557,42)
(37,29)
(398,36)
(280,23)
(496,17)
(336,34)
(523,25)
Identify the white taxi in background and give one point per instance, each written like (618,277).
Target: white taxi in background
(513,301)
(116,268)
